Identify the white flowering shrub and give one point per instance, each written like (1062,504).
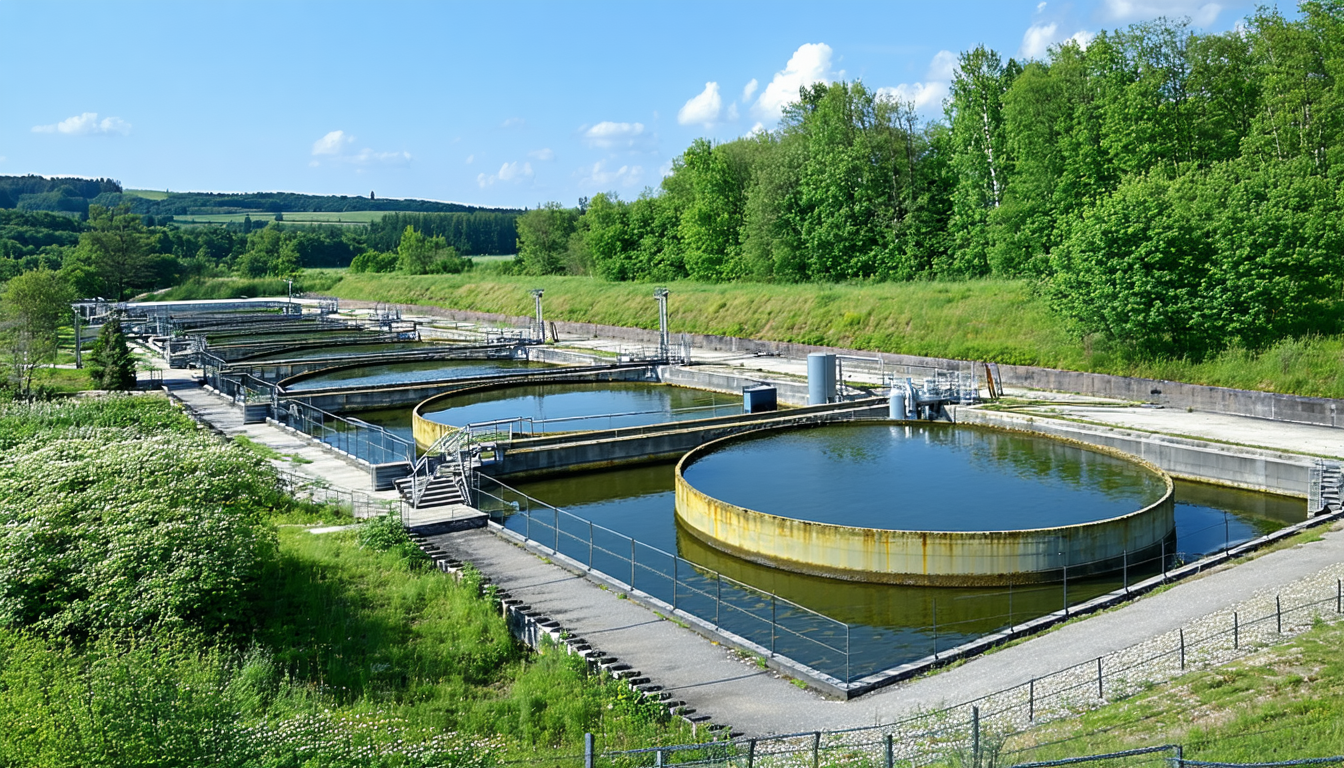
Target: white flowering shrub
(108,522)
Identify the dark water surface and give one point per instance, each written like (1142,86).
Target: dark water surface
(924,477)
(888,624)
(586,406)
(350,350)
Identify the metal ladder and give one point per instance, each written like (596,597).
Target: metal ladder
(1325,488)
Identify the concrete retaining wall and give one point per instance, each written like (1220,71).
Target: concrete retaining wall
(960,558)
(1220,463)
(1305,410)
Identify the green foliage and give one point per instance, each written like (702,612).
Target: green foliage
(33,307)
(183,551)
(386,534)
(110,363)
(373,261)
(543,238)
(124,641)
(420,255)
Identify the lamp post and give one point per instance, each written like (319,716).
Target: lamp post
(540,333)
(664,341)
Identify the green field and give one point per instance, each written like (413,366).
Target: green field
(290,217)
(148,194)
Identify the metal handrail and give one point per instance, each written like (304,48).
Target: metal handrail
(450,446)
(477,427)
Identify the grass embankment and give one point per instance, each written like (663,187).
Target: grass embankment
(994,320)
(192,619)
(312,280)
(1285,703)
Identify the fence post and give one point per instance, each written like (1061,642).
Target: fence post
(590,545)
(772,625)
(587,750)
(1182,631)
(1101,694)
(718,599)
(1066,589)
(658,757)
(1164,560)
(1010,608)
(751,753)
(555,515)
(935,629)
(975,737)
(1236,631)
(674,582)
(816,749)
(891,753)
(847,652)
(1180,756)
(1125,571)
(1278,615)
(1339,595)
(632,565)
(1031,701)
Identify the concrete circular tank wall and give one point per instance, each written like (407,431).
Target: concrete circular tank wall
(949,558)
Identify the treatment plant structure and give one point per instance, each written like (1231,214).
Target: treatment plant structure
(853,527)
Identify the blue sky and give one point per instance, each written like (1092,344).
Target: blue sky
(500,103)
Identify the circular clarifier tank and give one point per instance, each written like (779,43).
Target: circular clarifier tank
(524,409)
(932,504)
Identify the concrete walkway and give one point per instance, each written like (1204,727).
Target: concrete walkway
(733,691)
(315,462)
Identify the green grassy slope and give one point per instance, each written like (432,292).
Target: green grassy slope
(1001,321)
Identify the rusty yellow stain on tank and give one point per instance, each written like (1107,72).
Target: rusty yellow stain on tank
(967,558)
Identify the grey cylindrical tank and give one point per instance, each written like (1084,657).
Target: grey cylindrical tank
(896,405)
(820,378)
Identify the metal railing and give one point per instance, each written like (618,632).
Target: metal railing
(359,504)
(774,624)
(449,448)
(527,425)
(829,647)
(969,731)
(360,439)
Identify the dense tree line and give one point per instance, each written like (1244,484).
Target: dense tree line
(69,195)
(476,233)
(202,203)
(1175,191)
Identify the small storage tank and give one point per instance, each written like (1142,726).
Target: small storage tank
(898,404)
(759,399)
(820,378)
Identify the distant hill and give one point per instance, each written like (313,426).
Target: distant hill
(74,195)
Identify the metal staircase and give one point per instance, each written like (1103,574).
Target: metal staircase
(1325,488)
(439,478)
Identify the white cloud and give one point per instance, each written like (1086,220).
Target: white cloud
(931,92)
(600,175)
(732,112)
(1040,7)
(507,172)
(748,90)
(702,109)
(333,147)
(919,94)
(332,143)
(942,67)
(1200,12)
(544,153)
(609,135)
(1037,40)
(757,129)
(513,122)
(86,124)
(471,159)
(811,63)
(367,156)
